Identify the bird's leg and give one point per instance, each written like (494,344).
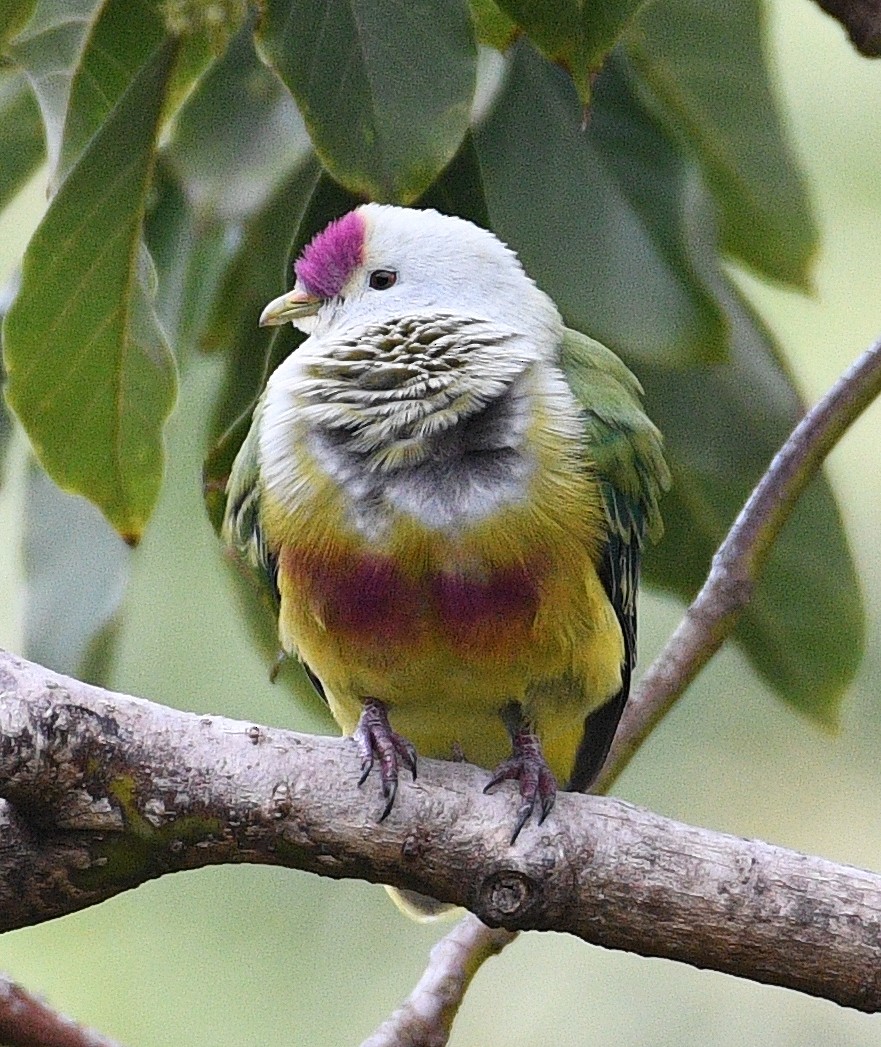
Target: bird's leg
(527,765)
(376,740)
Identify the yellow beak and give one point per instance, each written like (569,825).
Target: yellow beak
(289,307)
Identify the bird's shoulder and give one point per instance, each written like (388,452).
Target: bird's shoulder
(625,446)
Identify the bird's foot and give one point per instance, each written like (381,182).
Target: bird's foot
(537,782)
(377,741)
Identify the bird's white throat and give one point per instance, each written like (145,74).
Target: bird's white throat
(423,415)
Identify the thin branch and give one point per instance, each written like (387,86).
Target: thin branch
(735,569)
(105,791)
(738,564)
(426,1016)
(26,1021)
(861,19)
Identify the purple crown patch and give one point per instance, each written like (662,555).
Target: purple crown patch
(328,260)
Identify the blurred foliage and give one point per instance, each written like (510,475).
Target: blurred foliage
(195,148)
(697,66)
(684,163)
(23,141)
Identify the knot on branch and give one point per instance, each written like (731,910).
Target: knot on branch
(506,895)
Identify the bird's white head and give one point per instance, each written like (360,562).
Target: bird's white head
(380,261)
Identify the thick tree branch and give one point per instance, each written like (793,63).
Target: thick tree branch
(106,791)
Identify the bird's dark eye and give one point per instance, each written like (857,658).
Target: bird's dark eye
(383,279)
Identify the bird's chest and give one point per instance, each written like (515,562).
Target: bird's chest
(434,594)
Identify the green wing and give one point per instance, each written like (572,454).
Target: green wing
(626,450)
(241,529)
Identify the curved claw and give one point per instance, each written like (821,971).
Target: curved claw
(376,740)
(537,782)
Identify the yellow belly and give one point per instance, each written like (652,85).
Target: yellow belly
(449,626)
(447,633)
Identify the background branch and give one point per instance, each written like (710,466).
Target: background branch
(26,1021)
(106,791)
(861,19)
(707,623)
(737,566)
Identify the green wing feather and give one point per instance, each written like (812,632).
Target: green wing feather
(625,448)
(241,519)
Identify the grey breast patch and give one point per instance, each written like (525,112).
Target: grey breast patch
(424,416)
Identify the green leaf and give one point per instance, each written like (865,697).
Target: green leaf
(190,252)
(576,34)
(22,133)
(76,570)
(14,16)
(492,26)
(238,135)
(47,50)
(259,271)
(90,375)
(655,176)
(386,95)
(121,38)
(803,630)
(459,190)
(705,66)
(592,216)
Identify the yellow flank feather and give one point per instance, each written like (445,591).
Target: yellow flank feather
(559,655)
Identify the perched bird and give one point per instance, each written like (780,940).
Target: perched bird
(449,491)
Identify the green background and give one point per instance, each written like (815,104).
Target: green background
(232,957)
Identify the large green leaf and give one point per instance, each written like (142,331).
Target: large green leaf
(459,190)
(190,251)
(803,630)
(14,16)
(597,216)
(47,49)
(90,375)
(259,271)
(238,135)
(120,39)
(706,68)
(122,36)
(386,94)
(492,26)
(217,213)
(576,34)
(21,131)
